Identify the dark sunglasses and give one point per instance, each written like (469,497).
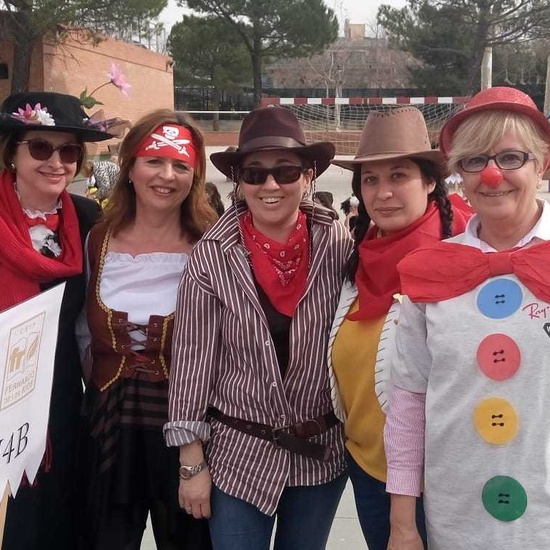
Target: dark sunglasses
(40,149)
(282,174)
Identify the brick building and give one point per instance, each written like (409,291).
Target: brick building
(77,64)
(353,65)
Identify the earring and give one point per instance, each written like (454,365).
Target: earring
(12,167)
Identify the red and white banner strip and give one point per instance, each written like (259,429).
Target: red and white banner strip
(362,100)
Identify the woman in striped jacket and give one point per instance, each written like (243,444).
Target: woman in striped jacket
(249,379)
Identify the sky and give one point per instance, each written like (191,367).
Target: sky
(357,11)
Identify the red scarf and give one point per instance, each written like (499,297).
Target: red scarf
(22,268)
(377,278)
(280,269)
(445,270)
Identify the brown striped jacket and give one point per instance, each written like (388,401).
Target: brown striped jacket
(223,356)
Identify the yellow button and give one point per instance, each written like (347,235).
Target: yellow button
(496,421)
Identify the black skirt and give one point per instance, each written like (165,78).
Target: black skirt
(130,472)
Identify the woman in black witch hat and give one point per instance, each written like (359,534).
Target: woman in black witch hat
(42,137)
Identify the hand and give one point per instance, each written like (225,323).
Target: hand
(194,494)
(401,539)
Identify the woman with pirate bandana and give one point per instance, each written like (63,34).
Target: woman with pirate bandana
(158,211)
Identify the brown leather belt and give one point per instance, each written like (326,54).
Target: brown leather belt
(293,438)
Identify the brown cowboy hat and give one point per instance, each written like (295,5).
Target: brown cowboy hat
(395,133)
(500,98)
(271,129)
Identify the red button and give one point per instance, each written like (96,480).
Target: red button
(498,357)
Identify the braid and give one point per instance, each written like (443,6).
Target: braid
(439,195)
(361,227)
(433,172)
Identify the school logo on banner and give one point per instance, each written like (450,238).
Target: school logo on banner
(22,360)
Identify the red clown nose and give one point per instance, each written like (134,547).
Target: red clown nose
(491,176)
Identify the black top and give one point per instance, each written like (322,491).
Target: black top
(45,516)
(279,328)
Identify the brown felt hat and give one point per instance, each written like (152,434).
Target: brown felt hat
(395,133)
(273,129)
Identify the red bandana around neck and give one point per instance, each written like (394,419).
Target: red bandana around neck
(377,278)
(170,141)
(280,269)
(22,268)
(446,270)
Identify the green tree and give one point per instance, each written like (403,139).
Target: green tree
(274,29)
(208,52)
(449,37)
(27,22)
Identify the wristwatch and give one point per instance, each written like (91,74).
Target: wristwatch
(187,472)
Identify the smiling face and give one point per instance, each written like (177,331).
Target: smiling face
(40,182)
(161,183)
(513,200)
(274,207)
(394,192)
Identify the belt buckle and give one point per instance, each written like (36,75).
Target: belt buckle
(275,433)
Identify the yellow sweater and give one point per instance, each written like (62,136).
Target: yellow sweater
(354,357)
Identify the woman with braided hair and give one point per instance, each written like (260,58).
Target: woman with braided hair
(403,204)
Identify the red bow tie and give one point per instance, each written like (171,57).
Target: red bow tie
(447,270)
(51,221)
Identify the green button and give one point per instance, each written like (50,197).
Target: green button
(504,498)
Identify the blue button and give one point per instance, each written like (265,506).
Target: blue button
(499,298)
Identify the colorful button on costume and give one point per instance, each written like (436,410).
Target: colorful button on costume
(483,360)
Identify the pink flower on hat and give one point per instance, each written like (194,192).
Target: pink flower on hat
(34,115)
(118,79)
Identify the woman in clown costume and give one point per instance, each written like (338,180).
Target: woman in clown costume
(468,413)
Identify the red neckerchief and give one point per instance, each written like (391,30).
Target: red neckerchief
(445,270)
(22,268)
(51,221)
(377,278)
(280,269)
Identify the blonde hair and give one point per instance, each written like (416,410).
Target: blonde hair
(480,132)
(196,213)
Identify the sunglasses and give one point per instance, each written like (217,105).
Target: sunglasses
(40,149)
(505,160)
(288,173)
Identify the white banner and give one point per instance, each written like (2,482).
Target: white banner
(28,337)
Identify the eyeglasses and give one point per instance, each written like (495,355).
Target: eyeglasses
(505,160)
(288,173)
(40,149)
